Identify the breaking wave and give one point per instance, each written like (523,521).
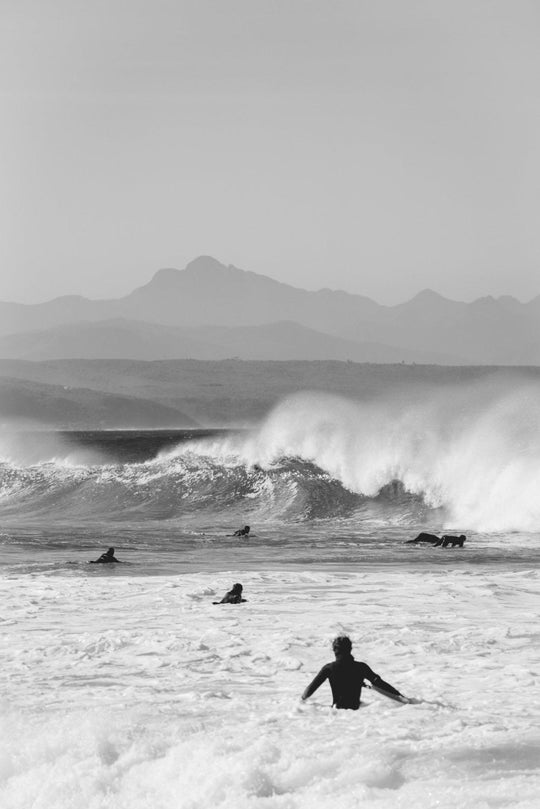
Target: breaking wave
(189,485)
(471,454)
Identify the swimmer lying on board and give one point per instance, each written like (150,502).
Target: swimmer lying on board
(242,532)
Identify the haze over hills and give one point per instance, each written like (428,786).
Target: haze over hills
(130,339)
(211,311)
(34,404)
(86,394)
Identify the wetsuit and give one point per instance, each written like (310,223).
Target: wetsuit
(104,559)
(423,537)
(231,598)
(346,677)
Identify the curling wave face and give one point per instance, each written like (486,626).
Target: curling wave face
(291,489)
(472,454)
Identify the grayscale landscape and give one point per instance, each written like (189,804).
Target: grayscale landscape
(92,394)
(269,404)
(213,345)
(211,311)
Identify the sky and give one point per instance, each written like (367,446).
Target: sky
(376,146)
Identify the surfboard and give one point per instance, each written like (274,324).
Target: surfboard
(396,697)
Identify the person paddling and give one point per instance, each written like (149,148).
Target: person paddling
(105,558)
(346,676)
(234,596)
(242,532)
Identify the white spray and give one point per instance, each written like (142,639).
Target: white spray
(474,449)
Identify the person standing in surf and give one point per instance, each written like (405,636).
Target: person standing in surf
(346,676)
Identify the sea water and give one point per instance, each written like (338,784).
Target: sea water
(125,686)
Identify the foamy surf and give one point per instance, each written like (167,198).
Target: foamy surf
(473,451)
(123,692)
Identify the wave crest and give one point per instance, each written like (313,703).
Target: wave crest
(472,453)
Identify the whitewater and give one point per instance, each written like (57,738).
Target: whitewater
(124,685)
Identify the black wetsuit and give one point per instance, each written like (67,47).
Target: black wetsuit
(346,677)
(105,558)
(232,597)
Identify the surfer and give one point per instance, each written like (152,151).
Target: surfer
(346,676)
(242,532)
(436,541)
(448,539)
(105,558)
(431,539)
(234,596)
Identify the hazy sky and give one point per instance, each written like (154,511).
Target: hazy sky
(375,146)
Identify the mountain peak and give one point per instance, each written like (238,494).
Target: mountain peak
(205,264)
(428,296)
(427,300)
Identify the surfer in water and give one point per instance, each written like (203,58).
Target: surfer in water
(242,532)
(437,542)
(234,596)
(346,676)
(430,539)
(105,558)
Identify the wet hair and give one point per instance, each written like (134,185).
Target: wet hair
(111,551)
(236,588)
(342,645)
(246,528)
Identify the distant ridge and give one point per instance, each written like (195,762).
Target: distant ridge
(87,394)
(119,338)
(28,403)
(208,295)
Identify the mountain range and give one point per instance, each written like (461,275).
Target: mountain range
(212,311)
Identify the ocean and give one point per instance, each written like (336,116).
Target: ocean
(125,686)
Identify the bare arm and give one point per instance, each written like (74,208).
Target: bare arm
(316,682)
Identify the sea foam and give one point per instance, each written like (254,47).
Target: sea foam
(471,454)
(473,450)
(124,692)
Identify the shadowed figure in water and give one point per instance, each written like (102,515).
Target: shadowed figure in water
(448,539)
(346,676)
(445,541)
(242,532)
(234,596)
(105,558)
(430,539)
